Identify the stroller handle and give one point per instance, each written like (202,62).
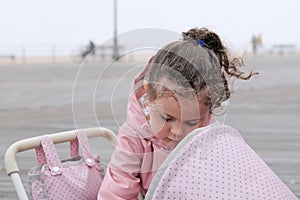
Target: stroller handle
(31,143)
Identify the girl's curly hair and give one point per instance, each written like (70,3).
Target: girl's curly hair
(214,43)
(200,67)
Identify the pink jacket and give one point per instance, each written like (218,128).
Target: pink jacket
(136,158)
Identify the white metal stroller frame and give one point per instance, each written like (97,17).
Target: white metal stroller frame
(10,163)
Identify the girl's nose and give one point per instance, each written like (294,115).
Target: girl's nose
(176,130)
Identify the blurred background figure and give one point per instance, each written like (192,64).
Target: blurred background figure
(90,49)
(256,43)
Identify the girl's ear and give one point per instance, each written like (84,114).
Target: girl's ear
(146,87)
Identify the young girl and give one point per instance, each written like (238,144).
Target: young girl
(175,94)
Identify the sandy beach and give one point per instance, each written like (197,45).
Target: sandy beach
(42,98)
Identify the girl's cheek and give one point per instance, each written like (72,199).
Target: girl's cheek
(156,125)
(156,121)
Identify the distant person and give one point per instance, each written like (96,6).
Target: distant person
(176,93)
(256,43)
(259,40)
(90,49)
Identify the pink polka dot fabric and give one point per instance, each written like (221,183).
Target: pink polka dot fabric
(75,178)
(216,163)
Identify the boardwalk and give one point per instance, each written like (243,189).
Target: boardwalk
(37,99)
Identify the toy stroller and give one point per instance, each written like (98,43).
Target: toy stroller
(44,177)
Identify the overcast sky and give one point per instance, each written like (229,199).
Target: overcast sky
(65,22)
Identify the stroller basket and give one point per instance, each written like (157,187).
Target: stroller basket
(11,165)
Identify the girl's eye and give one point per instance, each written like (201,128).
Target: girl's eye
(192,123)
(167,119)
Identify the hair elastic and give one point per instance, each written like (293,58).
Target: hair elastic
(201,42)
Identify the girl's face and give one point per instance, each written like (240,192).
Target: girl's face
(171,120)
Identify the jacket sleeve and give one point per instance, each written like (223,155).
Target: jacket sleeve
(121,180)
